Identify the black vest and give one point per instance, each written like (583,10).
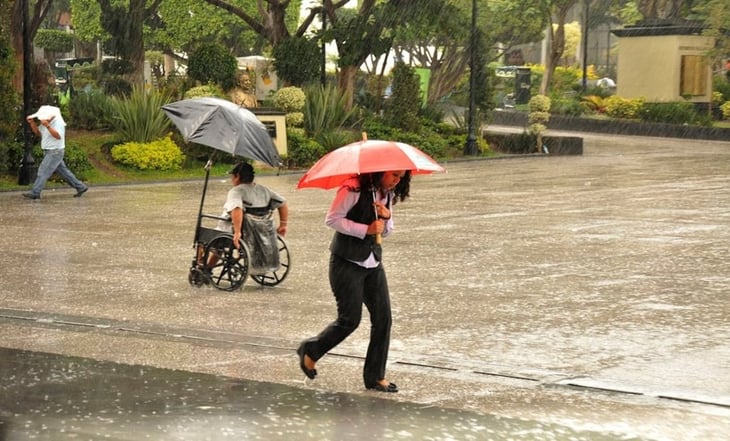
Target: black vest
(353,248)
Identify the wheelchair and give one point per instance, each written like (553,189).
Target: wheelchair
(219,263)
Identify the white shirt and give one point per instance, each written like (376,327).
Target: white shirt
(48,141)
(336,217)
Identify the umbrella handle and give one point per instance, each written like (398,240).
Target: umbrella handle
(378,236)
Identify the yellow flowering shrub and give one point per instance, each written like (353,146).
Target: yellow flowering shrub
(162,154)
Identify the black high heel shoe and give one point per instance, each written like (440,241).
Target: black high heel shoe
(310,373)
(391,387)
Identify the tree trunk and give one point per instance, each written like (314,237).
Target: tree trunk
(16,36)
(556,44)
(137,14)
(36,14)
(346,84)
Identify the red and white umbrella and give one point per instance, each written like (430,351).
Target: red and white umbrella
(366,156)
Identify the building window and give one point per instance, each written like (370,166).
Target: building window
(693,80)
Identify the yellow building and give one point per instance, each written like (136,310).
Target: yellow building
(664,63)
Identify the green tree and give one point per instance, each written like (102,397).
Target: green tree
(53,41)
(716,15)
(8,96)
(439,38)
(297,60)
(402,108)
(212,63)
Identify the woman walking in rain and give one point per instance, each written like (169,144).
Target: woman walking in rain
(360,214)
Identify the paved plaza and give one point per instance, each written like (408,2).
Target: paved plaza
(542,297)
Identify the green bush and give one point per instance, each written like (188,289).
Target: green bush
(90,110)
(617,107)
(302,151)
(116,86)
(162,154)
(205,90)
(324,109)
(725,107)
(140,118)
(426,139)
(335,138)
(294,119)
(289,99)
(11,155)
(566,106)
(681,112)
(721,83)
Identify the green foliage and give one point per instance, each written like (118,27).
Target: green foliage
(213,63)
(402,107)
(298,60)
(594,103)
(325,109)
(682,112)
(205,90)
(294,119)
(302,151)
(566,106)
(139,118)
(114,66)
(539,103)
(9,97)
(11,154)
(162,154)
(332,139)
(725,107)
(427,139)
(290,99)
(626,108)
(721,84)
(539,113)
(54,40)
(117,86)
(90,110)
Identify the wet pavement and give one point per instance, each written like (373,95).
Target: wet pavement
(535,298)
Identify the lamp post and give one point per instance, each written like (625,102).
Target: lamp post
(323,74)
(470,148)
(26,173)
(584,43)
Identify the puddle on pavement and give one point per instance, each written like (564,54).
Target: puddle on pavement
(52,397)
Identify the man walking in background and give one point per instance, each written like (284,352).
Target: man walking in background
(52,129)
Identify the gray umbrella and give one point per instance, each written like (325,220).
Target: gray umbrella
(225,126)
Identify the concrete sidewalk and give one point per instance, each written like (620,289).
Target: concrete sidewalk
(587,292)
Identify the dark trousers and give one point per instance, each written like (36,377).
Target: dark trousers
(354,286)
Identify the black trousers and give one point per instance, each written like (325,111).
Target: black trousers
(354,286)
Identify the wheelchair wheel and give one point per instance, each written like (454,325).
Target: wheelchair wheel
(276,277)
(226,267)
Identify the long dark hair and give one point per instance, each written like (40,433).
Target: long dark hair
(400,192)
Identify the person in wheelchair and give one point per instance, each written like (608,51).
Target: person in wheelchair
(250,206)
